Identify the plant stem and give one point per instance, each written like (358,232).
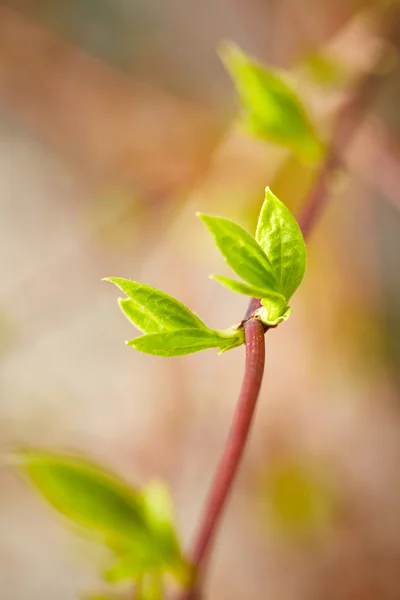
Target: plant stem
(226,471)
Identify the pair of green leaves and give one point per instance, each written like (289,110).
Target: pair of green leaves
(271,109)
(137,525)
(271,266)
(170,328)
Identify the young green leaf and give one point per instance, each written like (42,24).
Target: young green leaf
(138,317)
(187,341)
(152,310)
(272,110)
(273,312)
(100,503)
(279,234)
(244,288)
(242,253)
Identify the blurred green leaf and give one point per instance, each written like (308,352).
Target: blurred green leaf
(160,515)
(299,503)
(129,567)
(159,510)
(102,504)
(187,341)
(326,70)
(279,234)
(152,310)
(242,253)
(244,288)
(150,587)
(271,109)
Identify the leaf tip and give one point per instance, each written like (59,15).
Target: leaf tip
(205,218)
(230,54)
(110,279)
(269,195)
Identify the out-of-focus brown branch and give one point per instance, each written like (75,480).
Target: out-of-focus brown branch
(375,158)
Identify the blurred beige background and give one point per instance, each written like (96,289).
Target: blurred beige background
(115,127)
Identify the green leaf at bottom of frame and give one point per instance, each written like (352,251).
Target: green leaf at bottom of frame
(100,503)
(187,341)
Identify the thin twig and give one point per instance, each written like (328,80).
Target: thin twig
(226,471)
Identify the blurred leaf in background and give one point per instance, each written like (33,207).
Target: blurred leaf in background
(137,525)
(271,109)
(325,70)
(300,503)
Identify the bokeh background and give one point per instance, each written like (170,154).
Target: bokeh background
(116,125)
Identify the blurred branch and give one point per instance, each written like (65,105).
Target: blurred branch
(376,159)
(115,128)
(348,122)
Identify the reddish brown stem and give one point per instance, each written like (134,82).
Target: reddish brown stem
(238,434)
(227,468)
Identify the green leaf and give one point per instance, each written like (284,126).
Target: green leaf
(160,516)
(152,310)
(271,108)
(273,312)
(129,567)
(138,318)
(150,587)
(244,288)
(187,341)
(102,504)
(279,234)
(242,253)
